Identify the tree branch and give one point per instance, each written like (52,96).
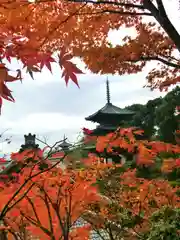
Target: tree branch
(54,206)
(110,232)
(62,22)
(32,221)
(127,5)
(161,8)
(68,212)
(50,217)
(11,230)
(4,211)
(158,13)
(34,210)
(8,208)
(118,12)
(57,208)
(45,143)
(162,18)
(155,58)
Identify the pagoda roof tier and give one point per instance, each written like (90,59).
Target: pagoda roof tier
(103,129)
(110,111)
(64,144)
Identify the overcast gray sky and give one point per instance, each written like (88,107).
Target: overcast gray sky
(48,108)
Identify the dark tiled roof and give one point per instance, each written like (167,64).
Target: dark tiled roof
(64,144)
(109,109)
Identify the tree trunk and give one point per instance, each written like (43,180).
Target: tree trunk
(3,235)
(160,15)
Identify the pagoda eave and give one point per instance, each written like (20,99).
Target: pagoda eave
(111,111)
(105,118)
(103,129)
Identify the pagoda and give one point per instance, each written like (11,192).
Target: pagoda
(109,117)
(64,146)
(61,149)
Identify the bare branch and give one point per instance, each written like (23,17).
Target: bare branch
(45,143)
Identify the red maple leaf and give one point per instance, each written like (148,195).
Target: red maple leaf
(178,162)
(5,92)
(57,155)
(2,160)
(46,60)
(69,68)
(87,131)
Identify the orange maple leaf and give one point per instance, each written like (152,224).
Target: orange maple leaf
(5,92)
(69,68)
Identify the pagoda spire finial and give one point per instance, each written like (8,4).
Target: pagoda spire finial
(108,91)
(64,138)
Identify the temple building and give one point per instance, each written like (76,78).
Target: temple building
(109,118)
(64,145)
(58,153)
(30,142)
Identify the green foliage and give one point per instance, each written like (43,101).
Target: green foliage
(166,116)
(165,225)
(145,116)
(158,118)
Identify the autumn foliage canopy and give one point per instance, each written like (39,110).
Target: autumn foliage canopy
(137,199)
(41,33)
(118,200)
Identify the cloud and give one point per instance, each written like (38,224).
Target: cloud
(52,126)
(45,122)
(51,109)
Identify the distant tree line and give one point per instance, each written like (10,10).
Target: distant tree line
(159,118)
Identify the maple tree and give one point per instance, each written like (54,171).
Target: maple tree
(132,203)
(57,199)
(136,198)
(27,194)
(146,155)
(15,185)
(156,39)
(39,33)
(22,40)
(119,199)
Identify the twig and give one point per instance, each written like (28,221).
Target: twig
(6,208)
